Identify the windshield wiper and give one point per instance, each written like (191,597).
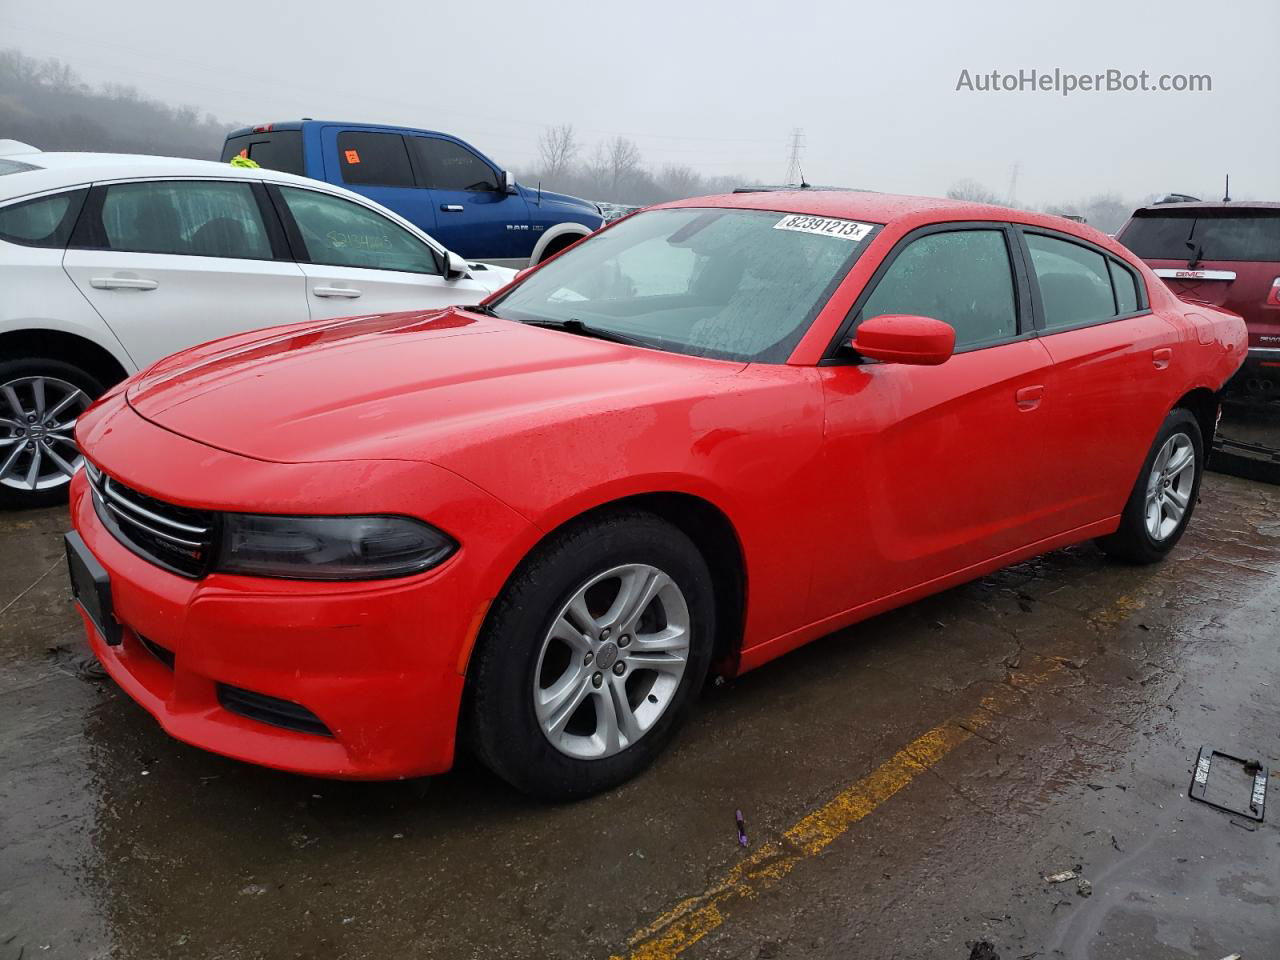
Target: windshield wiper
(483,309)
(575,325)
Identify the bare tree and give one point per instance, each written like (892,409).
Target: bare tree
(972,191)
(622,161)
(557,149)
(681,181)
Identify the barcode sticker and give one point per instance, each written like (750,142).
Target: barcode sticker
(824,226)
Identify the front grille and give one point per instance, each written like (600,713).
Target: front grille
(270,710)
(163,654)
(177,538)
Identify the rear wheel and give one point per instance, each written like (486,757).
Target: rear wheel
(592,656)
(40,401)
(1165,495)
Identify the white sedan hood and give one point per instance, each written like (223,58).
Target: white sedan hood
(490,276)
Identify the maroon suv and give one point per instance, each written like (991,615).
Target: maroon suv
(1227,254)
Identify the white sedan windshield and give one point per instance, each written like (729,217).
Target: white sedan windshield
(730,284)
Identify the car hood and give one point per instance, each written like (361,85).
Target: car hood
(548,196)
(491,276)
(407,386)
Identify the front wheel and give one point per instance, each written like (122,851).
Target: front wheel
(591,656)
(1164,497)
(40,401)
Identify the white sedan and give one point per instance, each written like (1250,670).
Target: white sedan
(109,262)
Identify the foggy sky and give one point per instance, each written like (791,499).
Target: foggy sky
(720,85)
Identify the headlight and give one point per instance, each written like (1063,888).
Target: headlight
(329,548)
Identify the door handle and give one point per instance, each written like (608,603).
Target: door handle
(349,292)
(122,283)
(1160,358)
(452,207)
(1028,398)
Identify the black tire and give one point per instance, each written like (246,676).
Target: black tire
(1132,542)
(12,371)
(500,718)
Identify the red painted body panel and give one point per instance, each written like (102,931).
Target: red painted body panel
(850,488)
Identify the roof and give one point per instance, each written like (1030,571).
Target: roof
(1209,205)
(298,124)
(868,207)
(783,188)
(883,208)
(55,170)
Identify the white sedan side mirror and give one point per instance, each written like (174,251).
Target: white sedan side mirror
(455,267)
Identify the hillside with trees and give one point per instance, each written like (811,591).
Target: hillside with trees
(46,104)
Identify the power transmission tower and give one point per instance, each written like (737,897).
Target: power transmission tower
(1013,186)
(794,173)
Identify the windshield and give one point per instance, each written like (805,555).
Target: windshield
(729,284)
(1248,235)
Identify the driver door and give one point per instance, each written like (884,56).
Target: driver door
(935,469)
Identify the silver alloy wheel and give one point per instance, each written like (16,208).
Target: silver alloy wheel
(37,417)
(612,661)
(1173,477)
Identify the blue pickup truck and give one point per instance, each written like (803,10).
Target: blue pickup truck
(443,184)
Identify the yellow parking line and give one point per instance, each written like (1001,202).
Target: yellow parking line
(687,923)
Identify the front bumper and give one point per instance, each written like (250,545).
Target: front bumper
(381,664)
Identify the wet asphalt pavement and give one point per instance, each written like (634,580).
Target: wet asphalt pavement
(906,785)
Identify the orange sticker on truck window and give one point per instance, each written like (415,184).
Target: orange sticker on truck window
(352,156)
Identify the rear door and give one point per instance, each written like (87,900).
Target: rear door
(172,263)
(941,463)
(475,216)
(1115,374)
(357,261)
(376,165)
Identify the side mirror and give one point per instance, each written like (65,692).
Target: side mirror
(506,182)
(899,338)
(455,267)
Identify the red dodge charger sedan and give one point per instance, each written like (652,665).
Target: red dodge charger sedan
(704,436)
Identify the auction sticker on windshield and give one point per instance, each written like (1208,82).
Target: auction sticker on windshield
(824,226)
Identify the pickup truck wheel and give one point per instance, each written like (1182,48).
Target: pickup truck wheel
(40,401)
(1164,497)
(592,656)
(558,244)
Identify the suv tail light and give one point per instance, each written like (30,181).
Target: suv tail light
(263,128)
(1273,295)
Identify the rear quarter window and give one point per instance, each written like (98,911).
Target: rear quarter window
(1245,235)
(42,222)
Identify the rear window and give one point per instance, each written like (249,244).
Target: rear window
(15,166)
(1219,234)
(278,150)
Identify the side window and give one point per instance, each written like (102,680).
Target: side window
(1126,287)
(961,277)
(374,159)
(43,222)
(339,233)
(445,165)
(1075,284)
(188,217)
